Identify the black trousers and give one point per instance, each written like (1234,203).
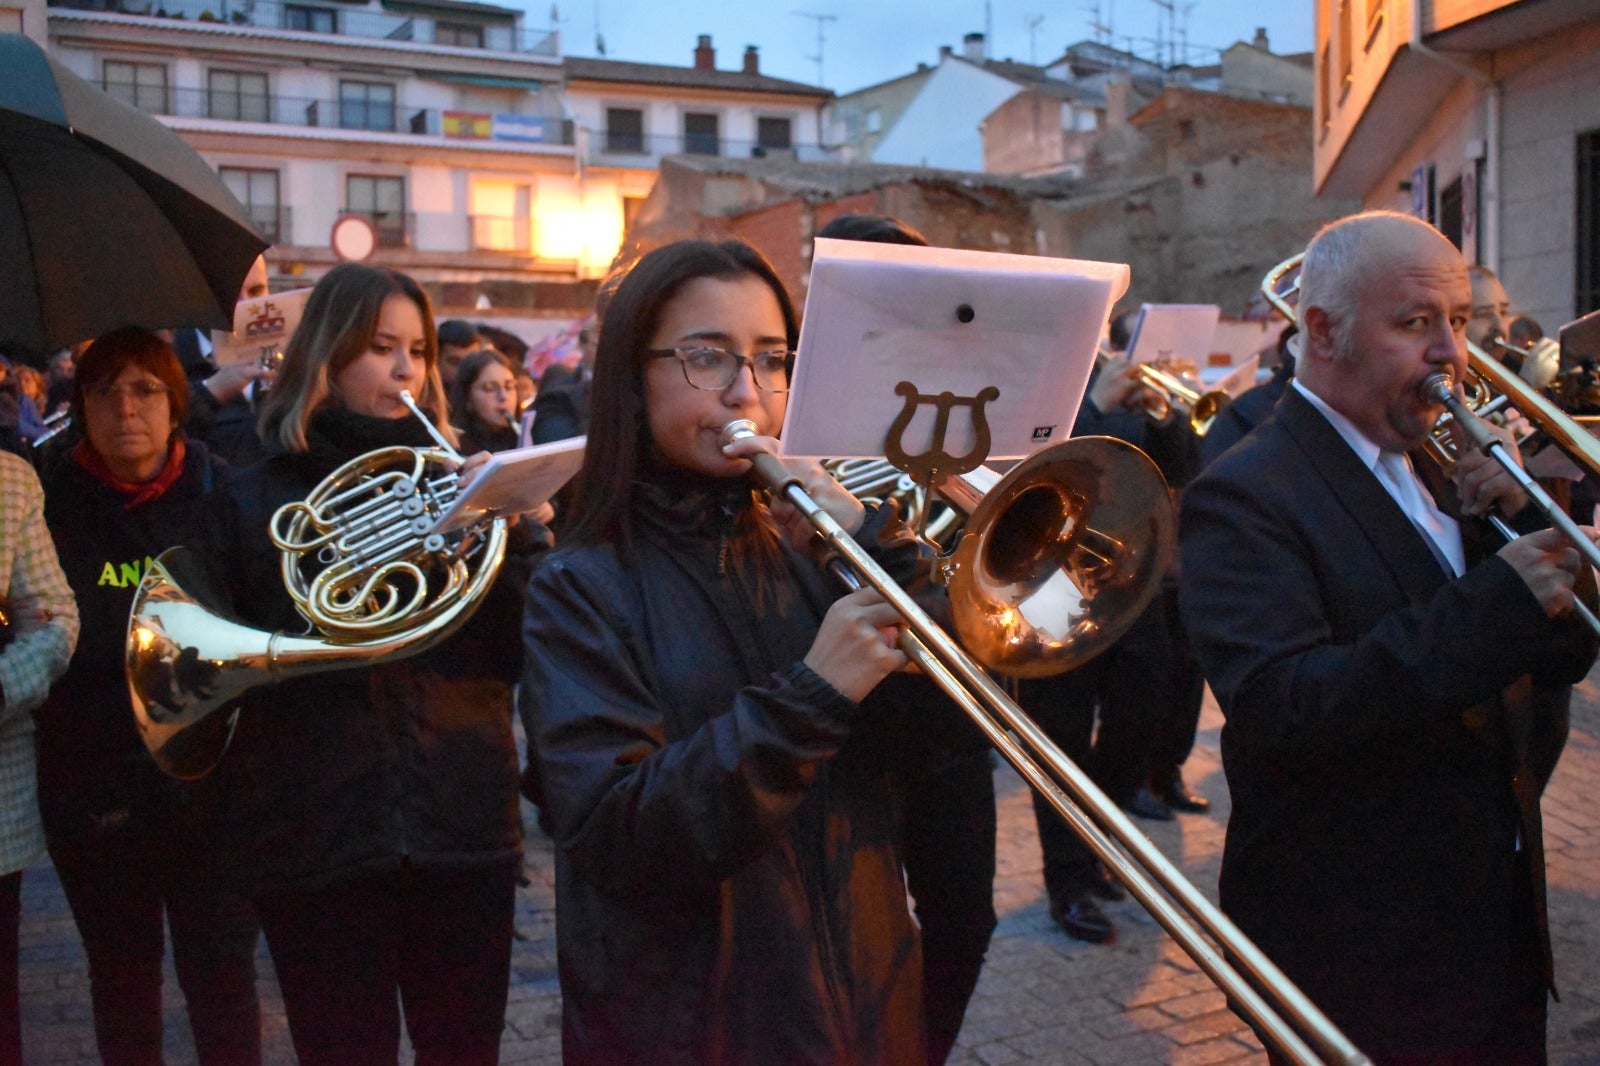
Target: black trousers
(435,943)
(10,1006)
(123,871)
(948,850)
(1063,706)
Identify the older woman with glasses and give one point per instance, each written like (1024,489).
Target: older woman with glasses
(132,846)
(713,753)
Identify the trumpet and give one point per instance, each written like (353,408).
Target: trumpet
(1172,393)
(1058,560)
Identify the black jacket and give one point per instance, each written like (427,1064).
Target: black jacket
(727,884)
(1388,731)
(90,754)
(358,770)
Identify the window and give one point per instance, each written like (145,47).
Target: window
(382,201)
(1450,205)
(774,133)
(312,19)
(1325,96)
(141,85)
(366,105)
(460,34)
(1587,297)
(624,129)
(700,135)
(1347,14)
(257,190)
(874,120)
(237,95)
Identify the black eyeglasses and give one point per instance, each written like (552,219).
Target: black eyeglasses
(714,369)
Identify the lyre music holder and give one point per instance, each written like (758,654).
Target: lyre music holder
(932,466)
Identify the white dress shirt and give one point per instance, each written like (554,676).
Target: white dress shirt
(1397,476)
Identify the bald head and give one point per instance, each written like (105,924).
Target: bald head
(1384,304)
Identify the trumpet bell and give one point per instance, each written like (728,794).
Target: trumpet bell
(1061,557)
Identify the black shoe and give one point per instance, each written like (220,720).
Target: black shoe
(1108,888)
(1145,805)
(1082,919)
(1176,795)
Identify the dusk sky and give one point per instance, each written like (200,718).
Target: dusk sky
(872,42)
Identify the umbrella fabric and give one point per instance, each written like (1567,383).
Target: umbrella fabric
(107,218)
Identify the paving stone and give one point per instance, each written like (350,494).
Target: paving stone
(1043,999)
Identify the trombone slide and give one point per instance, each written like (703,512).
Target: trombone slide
(1248,976)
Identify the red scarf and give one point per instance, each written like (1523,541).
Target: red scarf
(137,492)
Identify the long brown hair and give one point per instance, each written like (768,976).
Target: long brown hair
(340,319)
(618,435)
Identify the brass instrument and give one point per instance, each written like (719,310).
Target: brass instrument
(876,480)
(1059,559)
(1488,387)
(363,565)
(1439,389)
(1173,393)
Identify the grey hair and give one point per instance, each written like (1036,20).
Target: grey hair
(1330,276)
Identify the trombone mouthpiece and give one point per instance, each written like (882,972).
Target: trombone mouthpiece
(1438,387)
(738,429)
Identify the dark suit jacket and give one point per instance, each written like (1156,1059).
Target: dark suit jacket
(1384,847)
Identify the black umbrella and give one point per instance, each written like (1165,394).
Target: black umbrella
(106,217)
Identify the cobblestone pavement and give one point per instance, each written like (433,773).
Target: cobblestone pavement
(1043,998)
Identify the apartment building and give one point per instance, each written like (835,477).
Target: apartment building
(1482,116)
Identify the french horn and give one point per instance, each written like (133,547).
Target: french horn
(365,566)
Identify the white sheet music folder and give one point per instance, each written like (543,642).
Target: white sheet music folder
(946,320)
(514,482)
(1166,333)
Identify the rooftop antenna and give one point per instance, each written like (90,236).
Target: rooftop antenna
(1101,30)
(599,38)
(1183,28)
(1033,38)
(1164,30)
(822,21)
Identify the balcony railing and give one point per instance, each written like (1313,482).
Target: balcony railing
(340,21)
(357,114)
(501,233)
(394,229)
(623,147)
(271,221)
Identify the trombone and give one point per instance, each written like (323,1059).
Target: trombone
(1030,533)
(1488,387)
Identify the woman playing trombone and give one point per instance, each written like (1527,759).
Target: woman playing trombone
(728,889)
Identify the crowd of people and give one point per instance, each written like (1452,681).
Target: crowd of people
(773,843)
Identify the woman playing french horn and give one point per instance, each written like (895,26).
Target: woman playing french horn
(372,812)
(704,714)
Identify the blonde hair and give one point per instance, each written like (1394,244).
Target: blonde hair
(337,328)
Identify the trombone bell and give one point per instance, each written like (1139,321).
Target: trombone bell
(1060,557)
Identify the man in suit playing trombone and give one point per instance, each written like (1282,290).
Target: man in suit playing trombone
(1395,690)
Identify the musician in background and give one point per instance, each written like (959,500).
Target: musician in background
(1145,688)
(1394,683)
(484,402)
(948,836)
(457,340)
(135,849)
(728,886)
(40,633)
(371,813)
(221,411)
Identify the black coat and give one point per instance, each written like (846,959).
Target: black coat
(356,771)
(90,754)
(727,883)
(1383,728)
